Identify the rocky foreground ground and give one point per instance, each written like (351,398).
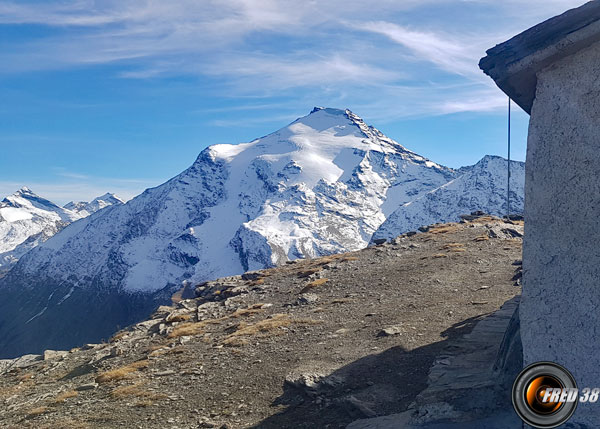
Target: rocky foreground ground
(315,343)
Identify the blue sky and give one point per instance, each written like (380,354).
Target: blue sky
(120,95)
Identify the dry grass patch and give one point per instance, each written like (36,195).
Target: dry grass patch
(196,328)
(257,282)
(485,219)
(439,255)
(253,309)
(341,301)
(451,246)
(158,349)
(483,237)
(443,229)
(25,377)
(157,346)
(454,247)
(176,350)
(118,336)
(158,352)
(122,372)
(314,284)
(38,411)
(66,423)
(324,260)
(193,328)
(187,329)
(124,391)
(64,396)
(179,318)
(177,296)
(516,242)
(137,390)
(263,328)
(327,259)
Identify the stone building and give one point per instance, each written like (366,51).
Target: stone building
(553,72)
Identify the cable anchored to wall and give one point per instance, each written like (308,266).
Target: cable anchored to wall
(508,176)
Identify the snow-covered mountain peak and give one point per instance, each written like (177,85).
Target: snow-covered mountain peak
(347,122)
(26,220)
(328,144)
(24,194)
(109,196)
(341,122)
(319,185)
(24,191)
(24,215)
(102,201)
(83,208)
(487,161)
(25,203)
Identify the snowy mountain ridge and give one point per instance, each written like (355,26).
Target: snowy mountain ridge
(85,209)
(323,184)
(482,186)
(26,220)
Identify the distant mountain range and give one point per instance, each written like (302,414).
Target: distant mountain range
(26,220)
(324,184)
(85,209)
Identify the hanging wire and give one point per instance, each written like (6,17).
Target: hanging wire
(508,177)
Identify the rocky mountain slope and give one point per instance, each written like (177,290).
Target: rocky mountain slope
(315,343)
(26,220)
(481,187)
(319,186)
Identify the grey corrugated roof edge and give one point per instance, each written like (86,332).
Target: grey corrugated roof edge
(515,63)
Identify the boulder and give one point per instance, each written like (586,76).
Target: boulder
(54,354)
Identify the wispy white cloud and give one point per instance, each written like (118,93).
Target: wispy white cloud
(248,47)
(77,176)
(481,101)
(451,53)
(303,70)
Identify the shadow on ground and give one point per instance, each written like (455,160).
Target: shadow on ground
(376,385)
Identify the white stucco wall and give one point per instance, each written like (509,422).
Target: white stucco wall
(560,309)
